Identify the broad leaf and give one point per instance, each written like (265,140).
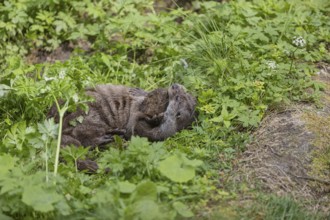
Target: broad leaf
(146,190)
(40,199)
(146,209)
(5,217)
(7,162)
(182,209)
(176,169)
(126,187)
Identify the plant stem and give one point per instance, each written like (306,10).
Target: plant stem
(47,170)
(76,164)
(61,114)
(292,57)
(57,155)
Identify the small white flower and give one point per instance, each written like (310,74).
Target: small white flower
(48,78)
(62,74)
(271,64)
(299,41)
(75,98)
(184,63)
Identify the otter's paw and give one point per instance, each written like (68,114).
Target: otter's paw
(117,131)
(87,166)
(155,120)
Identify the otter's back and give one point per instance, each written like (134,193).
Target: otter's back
(112,105)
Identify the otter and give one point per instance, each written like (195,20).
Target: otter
(125,111)
(179,113)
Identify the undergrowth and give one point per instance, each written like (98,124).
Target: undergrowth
(265,207)
(240,58)
(320,165)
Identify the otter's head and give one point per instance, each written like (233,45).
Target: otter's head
(182,106)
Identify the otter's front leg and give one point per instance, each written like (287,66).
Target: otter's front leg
(117,131)
(87,165)
(154,120)
(69,140)
(108,136)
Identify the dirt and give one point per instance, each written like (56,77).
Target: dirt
(163,5)
(288,154)
(62,53)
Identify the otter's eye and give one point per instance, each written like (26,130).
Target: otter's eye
(178,115)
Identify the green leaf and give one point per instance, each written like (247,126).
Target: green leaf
(15,137)
(193,163)
(40,199)
(250,118)
(8,184)
(126,187)
(63,207)
(5,217)
(217,119)
(227,123)
(102,196)
(162,189)
(182,209)
(60,25)
(48,128)
(36,27)
(175,169)
(146,190)
(84,190)
(4,89)
(138,142)
(7,163)
(146,209)
(106,60)
(70,22)
(80,119)
(73,152)
(77,120)
(76,35)
(2,24)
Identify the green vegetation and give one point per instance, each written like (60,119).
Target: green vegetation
(265,207)
(240,58)
(320,161)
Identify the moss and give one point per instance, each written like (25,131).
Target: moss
(320,126)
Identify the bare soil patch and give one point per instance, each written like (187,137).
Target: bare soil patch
(62,53)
